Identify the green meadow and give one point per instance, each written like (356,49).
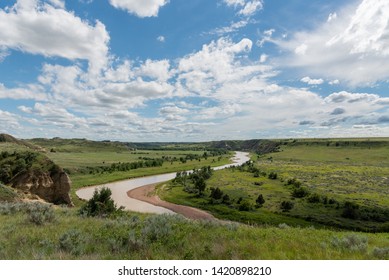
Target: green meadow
(338,189)
(341,184)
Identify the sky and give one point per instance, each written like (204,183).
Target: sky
(199,70)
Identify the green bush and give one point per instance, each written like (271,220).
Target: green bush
(352,242)
(314,198)
(260,200)
(73,242)
(159,227)
(245,205)
(273,176)
(350,210)
(300,192)
(100,205)
(40,213)
(216,193)
(286,206)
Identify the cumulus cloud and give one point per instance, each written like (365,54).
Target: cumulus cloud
(158,69)
(351,48)
(310,81)
(32,92)
(8,120)
(216,63)
(144,8)
(40,28)
(215,92)
(338,111)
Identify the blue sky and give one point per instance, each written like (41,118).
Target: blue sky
(200,70)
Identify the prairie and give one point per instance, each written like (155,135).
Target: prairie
(332,173)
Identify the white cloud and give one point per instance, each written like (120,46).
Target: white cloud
(213,65)
(58,3)
(332,17)
(334,82)
(144,8)
(251,8)
(8,120)
(39,28)
(266,37)
(353,46)
(158,69)
(263,58)
(32,92)
(310,81)
(246,8)
(233,27)
(161,39)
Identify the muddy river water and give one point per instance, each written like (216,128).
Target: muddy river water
(120,188)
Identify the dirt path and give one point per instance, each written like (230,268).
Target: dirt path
(145,193)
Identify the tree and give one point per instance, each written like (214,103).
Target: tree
(273,176)
(226,199)
(286,206)
(300,192)
(260,200)
(200,185)
(216,193)
(101,204)
(350,210)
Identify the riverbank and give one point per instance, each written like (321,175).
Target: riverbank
(146,194)
(121,188)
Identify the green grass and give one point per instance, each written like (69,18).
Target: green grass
(139,236)
(7,194)
(354,170)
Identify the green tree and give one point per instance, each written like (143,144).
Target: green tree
(200,185)
(260,200)
(100,205)
(286,206)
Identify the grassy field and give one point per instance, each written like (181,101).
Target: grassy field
(139,236)
(332,172)
(353,170)
(87,162)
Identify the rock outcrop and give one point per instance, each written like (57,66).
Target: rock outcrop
(53,187)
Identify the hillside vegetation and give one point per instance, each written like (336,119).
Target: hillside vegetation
(304,199)
(334,183)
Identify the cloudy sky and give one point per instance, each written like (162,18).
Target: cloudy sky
(178,70)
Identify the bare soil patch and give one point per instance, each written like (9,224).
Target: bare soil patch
(146,194)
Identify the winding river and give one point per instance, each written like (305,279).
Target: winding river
(119,189)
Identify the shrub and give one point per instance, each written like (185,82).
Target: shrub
(350,210)
(260,200)
(216,193)
(245,205)
(381,253)
(158,227)
(300,192)
(314,198)
(351,242)
(72,242)
(226,199)
(101,204)
(273,176)
(286,206)
(40,213)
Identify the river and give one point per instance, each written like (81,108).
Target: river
(120,188)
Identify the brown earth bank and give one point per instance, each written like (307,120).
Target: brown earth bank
(146,194)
